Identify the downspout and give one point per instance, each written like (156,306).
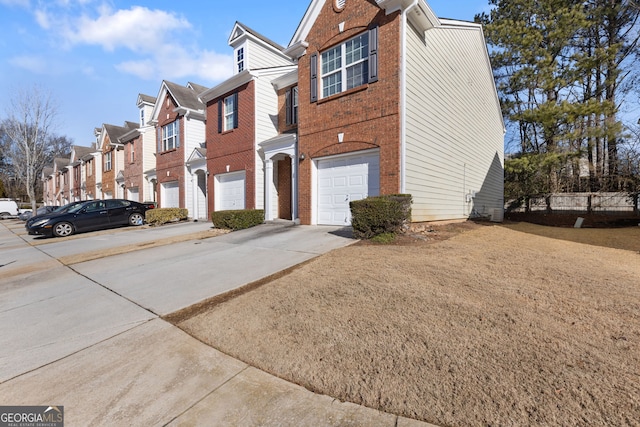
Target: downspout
(403,96)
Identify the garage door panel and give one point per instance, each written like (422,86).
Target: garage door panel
(230,191)
(170,195)
(343,180)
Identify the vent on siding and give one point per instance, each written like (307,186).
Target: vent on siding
(340,4)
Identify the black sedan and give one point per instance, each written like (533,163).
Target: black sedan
(88,216)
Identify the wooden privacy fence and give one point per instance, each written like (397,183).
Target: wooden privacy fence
(610,203)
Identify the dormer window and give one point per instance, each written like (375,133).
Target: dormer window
(240,59)
(141,118)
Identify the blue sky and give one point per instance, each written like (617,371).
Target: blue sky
(96,56)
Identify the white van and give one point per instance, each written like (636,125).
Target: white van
(8,208)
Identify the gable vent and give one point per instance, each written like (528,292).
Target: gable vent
(340,4)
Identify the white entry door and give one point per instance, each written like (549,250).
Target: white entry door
(170,197)
(230,191)
(342,179)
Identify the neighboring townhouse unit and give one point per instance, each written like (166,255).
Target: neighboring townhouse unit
(77,172)
(55,181)
(179,117)
(394,100)
(241,114)
(112,181)
(48,186)
(139,154)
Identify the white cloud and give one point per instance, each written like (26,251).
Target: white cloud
(33,64)
(21,3)
(173,62)
(137,29)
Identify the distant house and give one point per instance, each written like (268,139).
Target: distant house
(392,100)
(139,154)
(76,168)
(179,118)
(112,182)
(242,113)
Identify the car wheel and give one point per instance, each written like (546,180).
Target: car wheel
(136,219)
(62,229)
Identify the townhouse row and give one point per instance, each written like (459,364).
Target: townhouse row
(369,98)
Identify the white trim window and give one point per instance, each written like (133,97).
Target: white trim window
(107,161)
(345,66)
(240,59)
(170,136)
(228,113)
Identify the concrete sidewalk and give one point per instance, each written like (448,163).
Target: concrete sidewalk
(70,337)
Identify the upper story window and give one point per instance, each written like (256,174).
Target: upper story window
(346,66)
(107,161)
(228,113)
(132,155)
(291,106)
(89,168)
(240,59)
(170,138)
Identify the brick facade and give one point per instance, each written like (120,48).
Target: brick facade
(133,173)
(368,115)
(90,173)
(109,176)
(170,164)
(234,148)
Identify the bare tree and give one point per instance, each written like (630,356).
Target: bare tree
(29,128)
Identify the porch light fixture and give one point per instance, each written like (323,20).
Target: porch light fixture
(302,156)
(340,137)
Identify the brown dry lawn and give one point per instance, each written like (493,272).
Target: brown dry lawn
(512,324)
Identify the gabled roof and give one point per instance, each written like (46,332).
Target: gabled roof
(60,163)
(47,171)
(240,30)
(198,153)
(185,97)
(196,87)
(115,132)
(418,12)
(79,151)
(145,99)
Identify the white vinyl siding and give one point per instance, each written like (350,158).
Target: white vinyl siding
(258,56)
(266,108)
(454,131)
(194,136)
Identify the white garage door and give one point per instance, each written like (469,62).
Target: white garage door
(344,179)
(230,191)
(170,196)
(133,194)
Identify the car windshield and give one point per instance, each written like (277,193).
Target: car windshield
(74,208)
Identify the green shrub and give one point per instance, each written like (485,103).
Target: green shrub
(161,216)
(380,215)
(237,219)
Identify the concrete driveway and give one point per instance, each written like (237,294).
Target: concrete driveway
(88,336)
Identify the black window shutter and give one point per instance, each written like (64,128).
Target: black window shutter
(288,104)
(314,77)
(373,54)
(235,110)
(220,116)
